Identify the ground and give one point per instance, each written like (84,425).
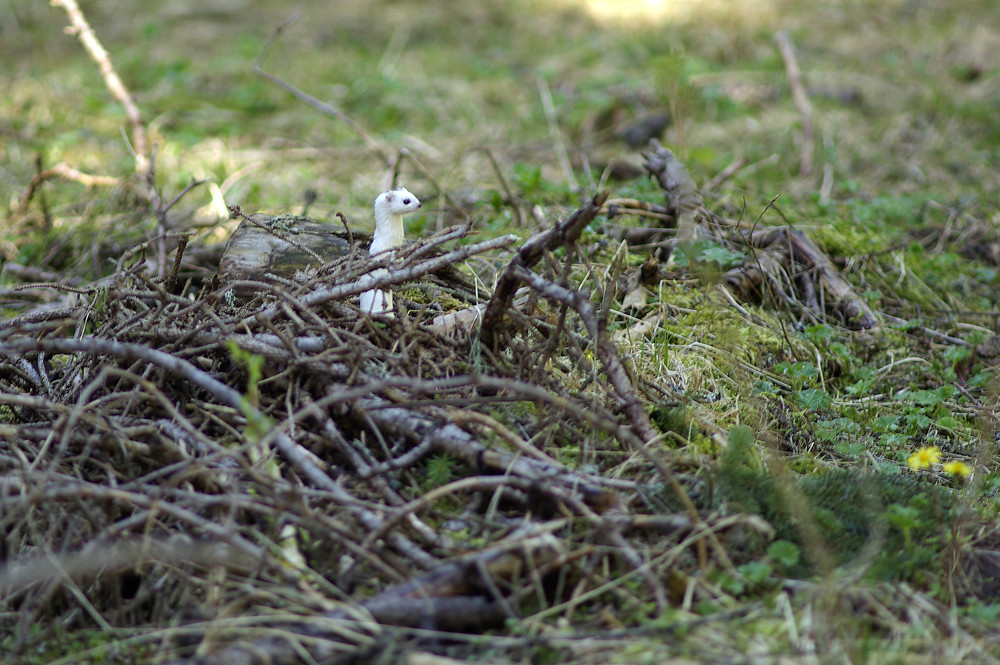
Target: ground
(860,459)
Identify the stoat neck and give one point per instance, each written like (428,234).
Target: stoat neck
(388,231)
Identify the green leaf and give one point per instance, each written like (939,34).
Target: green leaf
(756,572)
(683,253)
(765,387)
(985,613)
(918,421)
(784,552)
(894,440)
(860,388)
(948,422)
(819,331)
(886,424)
(730,585)
(957,354)
(813,398)
(850,448)
(720,255)
(919,397)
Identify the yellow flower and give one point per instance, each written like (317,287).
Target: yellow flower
(957,469)
(924,458)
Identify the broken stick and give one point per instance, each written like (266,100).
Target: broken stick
(531,252)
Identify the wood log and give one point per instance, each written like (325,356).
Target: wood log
(281,245)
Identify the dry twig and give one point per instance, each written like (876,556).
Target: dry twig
(323,107)
(81,29)
(562,234)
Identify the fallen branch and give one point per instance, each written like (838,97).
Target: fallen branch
(65,172)
(683,200)
(801,249)
(621,382)
(228,396)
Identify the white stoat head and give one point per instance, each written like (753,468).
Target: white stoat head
(397,201)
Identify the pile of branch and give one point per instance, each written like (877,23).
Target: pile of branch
(162,446)
(784,269)
(165,443)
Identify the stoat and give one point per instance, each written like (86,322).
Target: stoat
(389,210)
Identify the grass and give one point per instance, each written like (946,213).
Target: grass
(904,97)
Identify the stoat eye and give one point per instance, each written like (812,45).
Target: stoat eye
(406,202)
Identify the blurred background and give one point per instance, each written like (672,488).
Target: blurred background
(903,93)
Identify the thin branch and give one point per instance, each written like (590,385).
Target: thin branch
(312,101)
(292,451)
(531,252)
(81,29)
(801,99)
(621,383)
(725,174)
(65,172)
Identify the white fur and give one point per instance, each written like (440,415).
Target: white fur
(389,210)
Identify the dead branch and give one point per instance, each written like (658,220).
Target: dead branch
(65,172)
(615,207)
(725,174)
(562,234)
(363,473)
(452,597)
(683,200)
(801,249)
(82,30)
(617,375)
(227,395)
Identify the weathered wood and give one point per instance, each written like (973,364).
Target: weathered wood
(684,202)
(281,245)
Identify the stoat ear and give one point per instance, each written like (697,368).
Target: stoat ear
(388,197)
